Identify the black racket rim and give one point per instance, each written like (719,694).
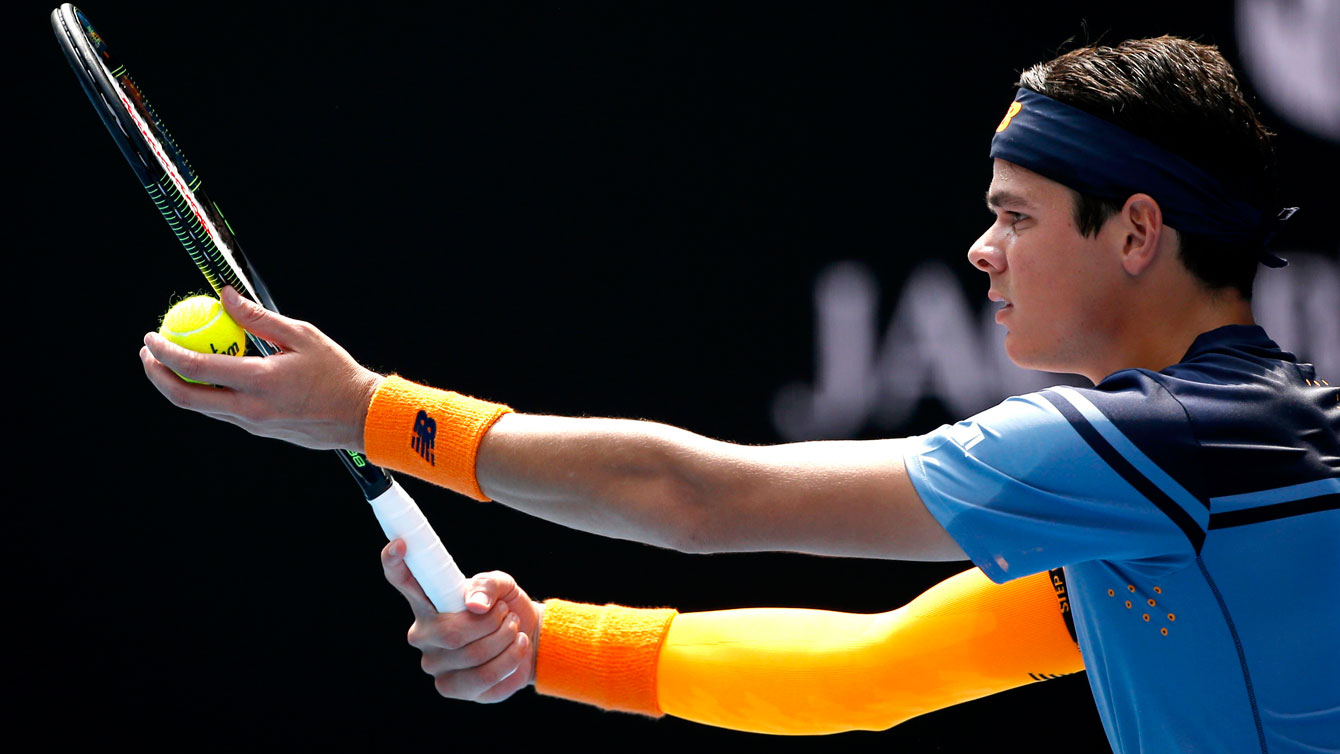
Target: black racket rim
(174,186)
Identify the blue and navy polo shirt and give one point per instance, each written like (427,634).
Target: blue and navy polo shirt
(1196,512)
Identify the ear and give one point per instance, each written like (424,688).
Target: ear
(1142,226)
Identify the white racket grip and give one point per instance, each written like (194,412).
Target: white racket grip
(427,559)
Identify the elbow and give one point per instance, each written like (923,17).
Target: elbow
(686,509)
(683,520)
(688,502)
(701,515)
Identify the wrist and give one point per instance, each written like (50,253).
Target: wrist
(535,640)
(429,433)
(366,387)
(602,655)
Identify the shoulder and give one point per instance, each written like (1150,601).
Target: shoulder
(1143,405)
(1138,404)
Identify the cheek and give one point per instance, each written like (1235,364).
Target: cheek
(1061,288)
(1092,306)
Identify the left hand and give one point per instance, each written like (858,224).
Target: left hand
(311,394)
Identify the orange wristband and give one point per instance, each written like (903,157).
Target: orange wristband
(604,656)
(429,433)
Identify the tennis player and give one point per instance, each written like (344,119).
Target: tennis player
(1191,498)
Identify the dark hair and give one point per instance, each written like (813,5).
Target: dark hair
(1184,97)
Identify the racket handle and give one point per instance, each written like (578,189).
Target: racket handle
(427,559)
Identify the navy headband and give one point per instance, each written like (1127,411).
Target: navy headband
(1095,157)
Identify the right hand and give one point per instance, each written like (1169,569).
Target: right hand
(484,654)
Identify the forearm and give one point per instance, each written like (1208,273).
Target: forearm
(809,672)
(666,486)
(635,480)
(628,479)
(653,483)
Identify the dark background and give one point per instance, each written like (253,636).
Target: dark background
(608,209)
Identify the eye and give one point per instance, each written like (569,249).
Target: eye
(1009,217)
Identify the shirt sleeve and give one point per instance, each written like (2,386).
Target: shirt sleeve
(1051,479)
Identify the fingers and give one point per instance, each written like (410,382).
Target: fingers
(453,651)
(213,368)
(516,679)
(205,399)
(493,681)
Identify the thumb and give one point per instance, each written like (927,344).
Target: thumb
(259,321)
(485,589)
(398,574)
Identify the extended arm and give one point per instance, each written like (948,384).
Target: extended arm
(666,486)
(634,480)
(783,671)
(794,671)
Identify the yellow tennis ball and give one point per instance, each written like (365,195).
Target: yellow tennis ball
(200,324)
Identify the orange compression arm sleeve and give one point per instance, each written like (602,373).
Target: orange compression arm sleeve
(429,433)
(808,671)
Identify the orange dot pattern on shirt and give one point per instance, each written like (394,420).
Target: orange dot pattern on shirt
(1145,617)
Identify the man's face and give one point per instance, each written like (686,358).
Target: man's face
(1058,289)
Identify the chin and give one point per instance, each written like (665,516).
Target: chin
(1029,355)
(1018,351)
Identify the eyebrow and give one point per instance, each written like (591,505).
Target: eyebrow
(1006,199)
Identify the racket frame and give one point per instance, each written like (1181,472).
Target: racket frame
(177,191)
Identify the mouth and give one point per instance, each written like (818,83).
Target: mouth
(1005,304)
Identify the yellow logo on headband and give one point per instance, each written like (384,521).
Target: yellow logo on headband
(1015,107)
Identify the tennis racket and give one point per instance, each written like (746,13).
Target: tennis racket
(199,225)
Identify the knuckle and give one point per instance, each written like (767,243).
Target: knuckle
(447,687)
(303,328)
(414,635)
(452,638)
(175,391)
(494,673)
(190,364)
(503,690)
(254,313)
(477,654)
(496,583)
(258,379)
(253,410)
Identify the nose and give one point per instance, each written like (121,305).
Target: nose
(986,256)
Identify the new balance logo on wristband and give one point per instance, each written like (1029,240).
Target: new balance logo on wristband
(425,429)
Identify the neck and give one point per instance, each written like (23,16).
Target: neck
(1168,326)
